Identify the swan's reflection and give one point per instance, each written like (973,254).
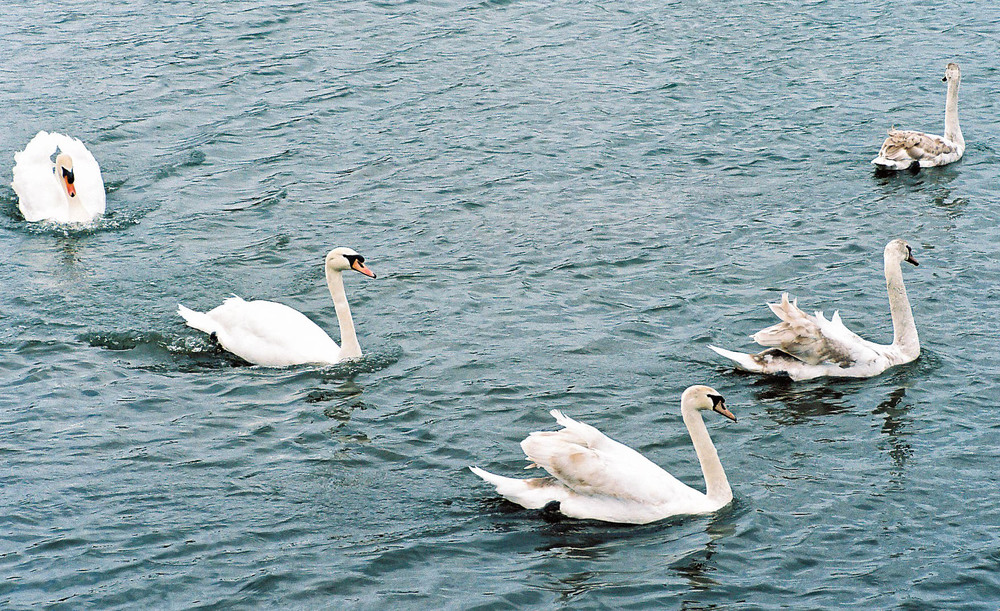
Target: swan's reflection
(789,403)
(588,540)
(894,410)
(926,178)
(697,566)
(933,181)
(342,400)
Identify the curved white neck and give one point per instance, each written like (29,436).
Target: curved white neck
(349,346)
(904,329)
(716,485)
(76,212)
(951,129)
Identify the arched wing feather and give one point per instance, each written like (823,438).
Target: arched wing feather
(590,463)
(813,339)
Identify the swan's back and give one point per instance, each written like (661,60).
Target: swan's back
(266,333)
(39,194)
(589,462)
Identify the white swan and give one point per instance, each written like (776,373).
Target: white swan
(807,347)
(595,477)
(914,150)
(275,335)
(69,190)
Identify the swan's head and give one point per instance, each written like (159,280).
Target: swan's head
(342,259)
(952,73)
(898,251)
(64,174)
(701,398)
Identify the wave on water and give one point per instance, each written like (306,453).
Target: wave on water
(112,220)
(155,351)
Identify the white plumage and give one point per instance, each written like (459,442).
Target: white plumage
(275,335)
(595,477)
(68,189)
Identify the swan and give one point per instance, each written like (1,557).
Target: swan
(914,150)
(275,335)
(805,347)
(594,477)
(69,190)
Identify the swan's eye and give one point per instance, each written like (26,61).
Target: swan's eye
(908,249)
(717,400)
(68,175)
(352,259)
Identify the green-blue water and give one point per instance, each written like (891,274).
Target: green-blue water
(565,204)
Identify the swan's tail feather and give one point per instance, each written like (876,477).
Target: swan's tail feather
(197,320)
(528,493)
(742,360)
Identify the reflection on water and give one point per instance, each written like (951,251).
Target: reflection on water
(894,411)
(343,400)
(926,178)
(931,182)
(697,566)
(691,557)
(789,403)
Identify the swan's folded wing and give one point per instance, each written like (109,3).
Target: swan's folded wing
(596,465)
(812,339)
(904,145)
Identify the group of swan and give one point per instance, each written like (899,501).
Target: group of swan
(591,476)
(595,477)
(69,189)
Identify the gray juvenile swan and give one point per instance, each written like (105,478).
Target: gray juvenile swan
(914,150)
(804,346)
(595,477)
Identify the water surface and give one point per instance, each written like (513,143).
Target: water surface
(565,204)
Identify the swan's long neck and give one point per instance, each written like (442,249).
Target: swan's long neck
(951,129)
(904,329)
(349,346)
(716,485)
(76,212)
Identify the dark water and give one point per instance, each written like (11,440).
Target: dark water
(565,203)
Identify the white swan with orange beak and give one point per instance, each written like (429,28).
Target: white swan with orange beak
(67,190)
(275,335)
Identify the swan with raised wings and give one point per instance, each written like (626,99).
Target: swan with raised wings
(67,190)
(914,150)
(275,335)
(595,477)
(804,346)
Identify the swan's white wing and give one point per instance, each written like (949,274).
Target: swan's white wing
(589,463)
(814,339)
(267,333)
(38,194)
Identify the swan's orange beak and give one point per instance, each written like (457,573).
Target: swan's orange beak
(725,412)
(68,179)
(910,259)
(358,266)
